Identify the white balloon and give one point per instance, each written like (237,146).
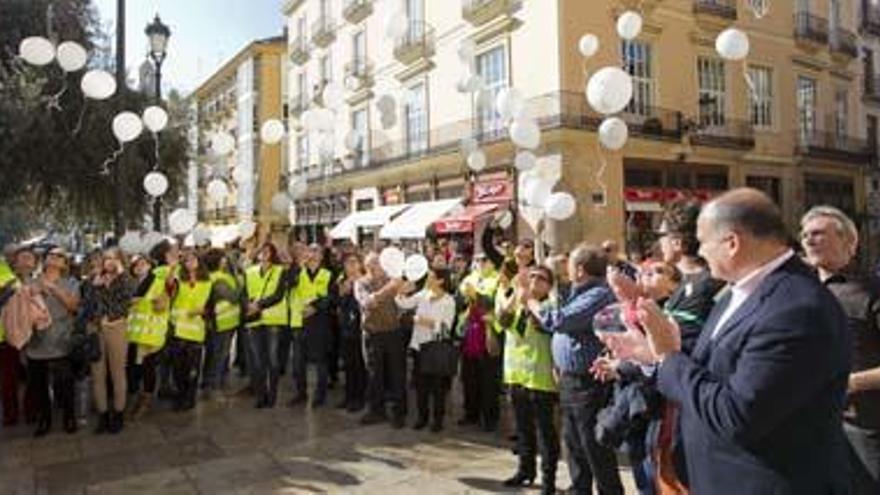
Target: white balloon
(525,133)
(476,160)
(415,267)
(588,45)
(560,206)
(156,184)
(613,133)
(240,176)
(473,83)
(127,126)
(609,90)
(181,221)
(201,236)
(280,203)
(537,192)
(72,56)
(247,229)
(629,25)
(297,187)
(466,50)
(525,161)
(393,261)
(223,143)
(333,95)
(396,25)
(272,131)
(155,118)
(130,242)
(509,103)
(98,84)
(217,190)
(732,44)
(353,140)
(36,50)
(468,145)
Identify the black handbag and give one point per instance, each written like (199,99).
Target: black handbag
(85,347)
(438,358)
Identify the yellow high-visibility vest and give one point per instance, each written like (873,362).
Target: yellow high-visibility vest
(260,285)
(7,276)
(306,291)
(528,359)
(145,325)
(187,310)
(227,315)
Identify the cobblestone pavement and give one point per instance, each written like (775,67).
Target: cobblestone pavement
(226,446)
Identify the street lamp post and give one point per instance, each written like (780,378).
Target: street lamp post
(158,35)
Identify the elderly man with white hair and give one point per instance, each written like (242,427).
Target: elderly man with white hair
(830,241)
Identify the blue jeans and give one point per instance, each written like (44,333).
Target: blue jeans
(217,349)
(264,360)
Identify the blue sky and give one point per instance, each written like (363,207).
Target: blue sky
(204,33)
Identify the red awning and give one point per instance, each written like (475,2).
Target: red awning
(463,220)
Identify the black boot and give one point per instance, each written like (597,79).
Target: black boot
(520,479)
(115,424)
(103,423)
(548,485)
(43,427)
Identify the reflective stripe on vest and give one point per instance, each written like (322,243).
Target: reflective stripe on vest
(145,325)
(306,291)
(528,359)
(227,315)
(7,276)
(261,285)
(188,309)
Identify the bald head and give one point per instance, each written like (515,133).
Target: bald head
(746,211)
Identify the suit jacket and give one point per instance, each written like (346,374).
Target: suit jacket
(762,402)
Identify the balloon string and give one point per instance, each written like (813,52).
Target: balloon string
(749,81)
(600,173)
(55,100)
(105,167)
(79,120)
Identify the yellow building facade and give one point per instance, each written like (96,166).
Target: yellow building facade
(241,95)
(786,121)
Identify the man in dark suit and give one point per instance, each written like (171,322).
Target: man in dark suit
(763,392)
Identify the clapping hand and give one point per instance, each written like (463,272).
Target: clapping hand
(664,335)
(624,287)
(604,369)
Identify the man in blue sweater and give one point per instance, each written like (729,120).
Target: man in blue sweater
(575,347)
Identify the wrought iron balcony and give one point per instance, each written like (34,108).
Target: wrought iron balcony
(833,146)
(323,31)
(810,28)
(359,74)
(417,43)
(844,43)
(870,18)
(731,133)
(725,9)
(479,12)
(355,11)
(299,51)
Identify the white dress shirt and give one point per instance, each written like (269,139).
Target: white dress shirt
(743,289)
(440,310)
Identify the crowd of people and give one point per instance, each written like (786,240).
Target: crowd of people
(734,360)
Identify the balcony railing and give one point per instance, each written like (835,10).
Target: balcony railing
(810,28)
(359,73)
(298,105)
(299,50)
(844,43)
(872,88)
(870,18)
(417,43)
(739,134)
(725,9)
(479,12)
(831,145)
(323,31)
(355,11)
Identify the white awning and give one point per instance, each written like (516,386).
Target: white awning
(644,206)
(377,217)
(413,223)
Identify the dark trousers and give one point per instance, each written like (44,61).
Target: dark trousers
(864,459)
(216,357)
(56,375)
(286,338)
(481,388)
(150,371)
(296,345)
(581,398)
(9,364)
(263,362)
(385,358)
(431,393)
(355,371)
(133,371)
(186,359)
(536,430)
